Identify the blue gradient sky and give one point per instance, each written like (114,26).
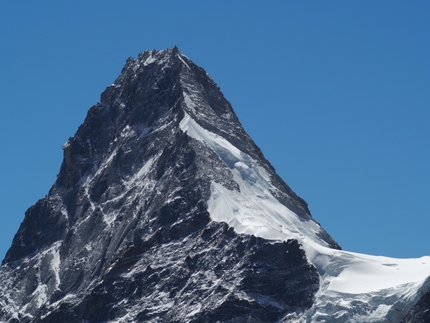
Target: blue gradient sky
(335,93)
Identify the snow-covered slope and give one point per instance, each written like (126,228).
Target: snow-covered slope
(251,209)
(353,287)
(363,288)
(165,210)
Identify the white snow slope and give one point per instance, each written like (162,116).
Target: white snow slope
(353,287)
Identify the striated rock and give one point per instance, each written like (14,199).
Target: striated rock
(125,233)
(165,210)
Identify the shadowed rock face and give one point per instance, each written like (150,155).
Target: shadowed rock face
(420,313)
(248,278)
(124,234)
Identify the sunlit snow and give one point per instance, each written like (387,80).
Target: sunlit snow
(365,287)
(253,210)
(55,263)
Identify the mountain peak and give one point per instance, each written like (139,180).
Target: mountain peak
(159,56)
(165,57)
(164,209)
(161,167)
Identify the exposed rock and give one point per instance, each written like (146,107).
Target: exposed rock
(125,235)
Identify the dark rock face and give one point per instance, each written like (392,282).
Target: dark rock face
(249,278)
(125,230)
(420,313)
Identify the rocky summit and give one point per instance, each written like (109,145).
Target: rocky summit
(165,210)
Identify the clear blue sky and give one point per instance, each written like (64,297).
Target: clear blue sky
(335,93)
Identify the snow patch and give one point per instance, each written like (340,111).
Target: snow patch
(151,59)
(40,295)
(55,263)
(188,101)
(179,56)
